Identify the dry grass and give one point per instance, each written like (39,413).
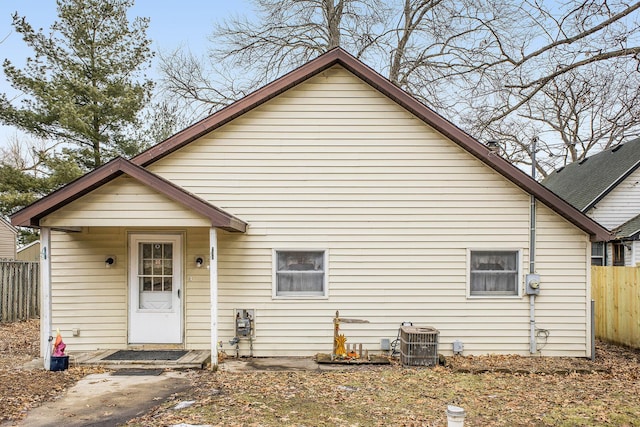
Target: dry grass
(494,391)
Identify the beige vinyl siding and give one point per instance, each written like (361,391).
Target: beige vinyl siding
(87,295)
(7,240)
(563,306)
(197,296)
(31,252)
(334,165)
(620,205)
(123,202)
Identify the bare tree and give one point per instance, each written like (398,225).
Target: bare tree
(572,83)
(285,34)
(26,154)
(501,69)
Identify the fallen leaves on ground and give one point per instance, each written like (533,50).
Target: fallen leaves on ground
(493,390)
(20,388)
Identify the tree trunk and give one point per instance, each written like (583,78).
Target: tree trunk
(333,14)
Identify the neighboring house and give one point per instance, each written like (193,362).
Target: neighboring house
(30,252)
(328,189)
(606,187)
(8,239)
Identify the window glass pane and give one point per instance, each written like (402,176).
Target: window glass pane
(597,249)
(300,261)
(146,250)
(494,273)
(146,267)
(300,273)
(300,283)
(168,267)
(157,267)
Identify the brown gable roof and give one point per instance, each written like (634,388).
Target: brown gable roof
(31,215)
(340,57)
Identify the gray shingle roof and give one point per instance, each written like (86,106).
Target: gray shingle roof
(585,183)
(629,229)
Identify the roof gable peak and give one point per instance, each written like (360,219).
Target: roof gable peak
(31,215)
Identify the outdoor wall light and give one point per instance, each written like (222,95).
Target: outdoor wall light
(109,261)
(199,261)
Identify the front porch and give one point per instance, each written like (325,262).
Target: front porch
(143,359)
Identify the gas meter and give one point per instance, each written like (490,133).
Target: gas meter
(244,322)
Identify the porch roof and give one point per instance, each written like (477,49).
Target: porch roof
(32,214)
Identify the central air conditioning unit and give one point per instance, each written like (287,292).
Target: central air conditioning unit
(419,345)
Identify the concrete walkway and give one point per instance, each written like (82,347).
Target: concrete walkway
(113,398)
(107,399)
(279,364)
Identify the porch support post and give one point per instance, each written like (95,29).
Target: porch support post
(213,283)
(45,298)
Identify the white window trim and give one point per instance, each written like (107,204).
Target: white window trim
(274,268)
(520,274)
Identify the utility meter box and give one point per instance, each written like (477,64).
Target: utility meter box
(244,322)
(533,284)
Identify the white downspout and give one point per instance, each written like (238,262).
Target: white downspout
(213,286)
(45,298)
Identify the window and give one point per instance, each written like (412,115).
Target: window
(618,254)
(155,275)
(494,273)
(300,274)
(597,253)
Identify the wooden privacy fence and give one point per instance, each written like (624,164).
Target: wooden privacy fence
(616,292)
(19,290)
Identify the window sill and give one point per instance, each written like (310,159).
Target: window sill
(300,297)
(509,297)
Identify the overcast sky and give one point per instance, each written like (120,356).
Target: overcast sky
(173,24)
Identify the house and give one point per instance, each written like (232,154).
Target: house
(30,252)
(8,236)
(328,189)
(606,187)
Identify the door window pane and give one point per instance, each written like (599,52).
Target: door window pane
(155,272)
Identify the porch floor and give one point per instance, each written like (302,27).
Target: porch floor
(194,359)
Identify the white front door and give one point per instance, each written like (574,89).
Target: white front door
(155,282)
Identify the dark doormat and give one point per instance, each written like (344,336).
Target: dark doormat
(137,372)
(146,355)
